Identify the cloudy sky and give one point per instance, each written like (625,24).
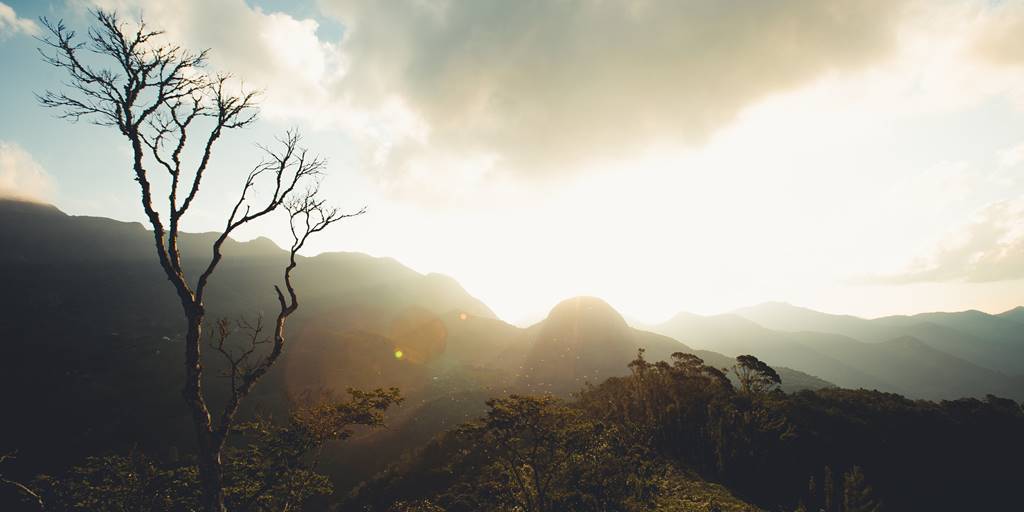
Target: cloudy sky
(855,157)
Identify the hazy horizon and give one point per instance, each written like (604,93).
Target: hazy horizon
(541,312)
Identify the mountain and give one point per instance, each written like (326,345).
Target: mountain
(780,316)
(734,335)
(922,356)
(977,324)
(91,331)
(583,339)
(91,336)
(1016,315)
(987,340)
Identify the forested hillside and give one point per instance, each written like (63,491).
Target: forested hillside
(681,436)
(95,330)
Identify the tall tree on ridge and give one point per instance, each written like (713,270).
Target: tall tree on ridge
(162,99)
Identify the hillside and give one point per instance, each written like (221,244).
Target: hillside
(117,341)
(671,437)
(1016,314)
(87,309)
(582,339)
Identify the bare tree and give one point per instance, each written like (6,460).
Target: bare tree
(163,101)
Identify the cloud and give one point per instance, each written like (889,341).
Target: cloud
(441,97)
(11,24)
(547,87)
(990,247)
(271,51)
(1000,43)
(530,88)
(21,177)
(1011,157)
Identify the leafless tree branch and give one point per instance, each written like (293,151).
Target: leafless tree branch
(164,101)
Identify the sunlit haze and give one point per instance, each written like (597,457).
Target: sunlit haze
(863,158)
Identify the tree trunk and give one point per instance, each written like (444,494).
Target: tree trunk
(209,446)
(211,481)
(210,476)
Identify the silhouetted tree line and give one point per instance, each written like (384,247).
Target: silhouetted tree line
(622,444)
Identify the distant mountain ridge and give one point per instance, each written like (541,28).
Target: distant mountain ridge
(931,355)
(1016,314)
(583,339)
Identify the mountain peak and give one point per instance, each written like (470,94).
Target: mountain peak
(592,309)
(776,307)
(10,205)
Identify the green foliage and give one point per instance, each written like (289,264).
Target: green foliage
(849,494)
(277,465)
(542,455)
(857,494)
(121,483)
(672,435)
(690,413)
(415,506)
(273,469)
(682,493)
(755,376)
(677,436)
(527,454)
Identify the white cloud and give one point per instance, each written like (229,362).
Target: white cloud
(1000,42)
(531,89)
(21,177)
(990,247)
(433,92)
(1011,157)
(11,24)
(271,51)
(552,87)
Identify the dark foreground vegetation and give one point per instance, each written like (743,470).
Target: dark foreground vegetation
(676,435)
(630,443)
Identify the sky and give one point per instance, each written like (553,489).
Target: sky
(863,157)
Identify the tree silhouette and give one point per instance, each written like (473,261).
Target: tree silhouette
(165,103)
(857,494)
(542,456)
(755,376)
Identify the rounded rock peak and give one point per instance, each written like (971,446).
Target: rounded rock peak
(592,309)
